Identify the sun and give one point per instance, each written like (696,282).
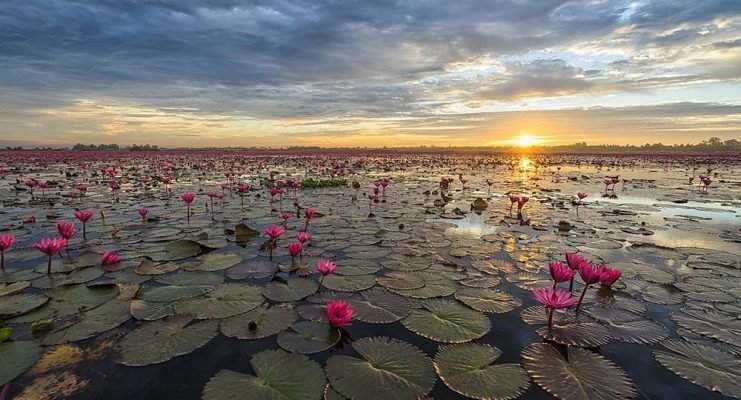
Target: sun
(525,141)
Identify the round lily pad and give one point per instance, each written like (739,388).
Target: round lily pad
(488,300)
(706,366)
(583,375)
(278,375)
(150,310)
(17,357)
(378,306)
(20,304)
(68,300)
(435,286)
(447,321)
(81,275)
(349,283)
(226,300)
(389,369)
(401,280)
(295,289)
(307,337)
(98,320)
(162,340)
(166,294)
(469,370)
(147,267)
(260,322)
(189,278)
(214,262)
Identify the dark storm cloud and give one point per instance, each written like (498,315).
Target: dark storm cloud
(371,59)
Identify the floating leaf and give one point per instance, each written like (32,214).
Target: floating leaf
(435,286)
(147,267)
(166,294)
(447,321)
(627,326)
(401,280)
(214,262)
(706,366)
(468,369)
(151,311)
(309,337)
(389,369)
(487,300)
(68,300)
(260,322)
(295,289)
(178,250)
(160,341)
(198,278)
(481,281)
(93,322)
(16,358)
(227,300)
(711,324)
(349,283)
(279,375)
(20,304)
(13,287)
(583,375)
(378,306)
(77,276)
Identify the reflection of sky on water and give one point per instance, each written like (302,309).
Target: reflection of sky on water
(715,211)
(473,224)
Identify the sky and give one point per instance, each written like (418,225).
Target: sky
(368,73)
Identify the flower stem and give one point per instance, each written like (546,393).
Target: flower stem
(581,298)
(550,318)
(48,266)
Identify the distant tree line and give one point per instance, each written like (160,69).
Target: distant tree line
(113,146)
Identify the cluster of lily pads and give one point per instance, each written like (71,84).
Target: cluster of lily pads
(186,253)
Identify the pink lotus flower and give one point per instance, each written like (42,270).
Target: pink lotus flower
(554,299)
(188,197)
(84,216)
(339,314)
(6,240)
(294,249)
(512,200)
(274,231)
(109,258)
(581,195)
(588,273)
(66,230)
(285,215)
(50,247)
(30,219)
(309,212)
(325,267)
(608,276)
(521,202)
(81,187)
(574,260)
(303,237)
(274,191)
(560,272)
(143,211)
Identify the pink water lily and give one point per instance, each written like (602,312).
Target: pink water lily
(339,314)
(560,272)
(143,211)
(554,299)
(109,258)
(84,217)
(608,276)
(295,248)
(303,237)
(324,267)
(188,198)
(274,232)
(50,247)
(66,230)
(6,241)
(590,275)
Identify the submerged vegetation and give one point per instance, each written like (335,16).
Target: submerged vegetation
(368,276)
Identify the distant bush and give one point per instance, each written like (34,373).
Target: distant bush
(313,183)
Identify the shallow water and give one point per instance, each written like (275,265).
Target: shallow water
(698,238)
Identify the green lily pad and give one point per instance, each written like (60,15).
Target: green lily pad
(160,341)
(447,321)
(20,304)
(68,300)
(191,278)
(149,268)
(227,300)
(583,375)
(60,279)
(166,294)
(278,375)
(468,369)
(307,337)
(17,358)
(260,322)
(702,365)
(435,286)
(709,323)
(349,283)
(98,320)
(13,287)
(488,300)
(214,262)
(151,311)
(178,250)
(401,280)
(378,306)
(295,289)
(389,369)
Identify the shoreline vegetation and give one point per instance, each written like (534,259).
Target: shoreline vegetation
(713,145)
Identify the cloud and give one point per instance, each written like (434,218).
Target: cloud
(283,61)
